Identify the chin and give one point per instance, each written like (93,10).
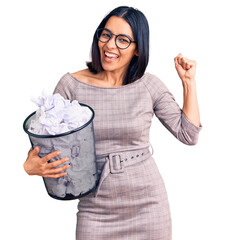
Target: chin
(109,67)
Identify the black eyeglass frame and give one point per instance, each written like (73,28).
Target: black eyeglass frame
(116,36)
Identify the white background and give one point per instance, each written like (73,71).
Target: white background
(42,40)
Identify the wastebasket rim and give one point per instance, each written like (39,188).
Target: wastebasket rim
(61,134)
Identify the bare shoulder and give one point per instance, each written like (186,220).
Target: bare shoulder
(84,75)
(88,77)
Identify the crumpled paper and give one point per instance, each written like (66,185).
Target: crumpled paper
(58,115)
(79,147)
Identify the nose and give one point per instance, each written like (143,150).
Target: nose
(111,42)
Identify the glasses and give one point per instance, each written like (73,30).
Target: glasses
(122,41)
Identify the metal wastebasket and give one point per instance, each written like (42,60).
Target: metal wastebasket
(79,146)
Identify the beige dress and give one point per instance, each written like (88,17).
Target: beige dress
(130,202)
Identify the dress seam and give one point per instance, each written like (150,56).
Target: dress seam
(149,94)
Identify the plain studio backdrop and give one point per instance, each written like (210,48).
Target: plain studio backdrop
(42,40)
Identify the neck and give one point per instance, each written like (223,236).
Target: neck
(113,79)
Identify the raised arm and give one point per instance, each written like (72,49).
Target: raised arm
(183,123)
(186,70)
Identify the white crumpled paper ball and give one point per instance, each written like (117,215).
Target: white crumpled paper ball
(57,115)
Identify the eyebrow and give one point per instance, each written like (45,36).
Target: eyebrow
(120,34)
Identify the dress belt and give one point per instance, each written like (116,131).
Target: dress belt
(114,163)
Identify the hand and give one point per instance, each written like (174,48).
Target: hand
(34,165)
(185,68)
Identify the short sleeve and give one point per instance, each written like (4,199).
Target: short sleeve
(170,114)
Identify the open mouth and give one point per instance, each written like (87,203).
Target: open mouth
(111,56)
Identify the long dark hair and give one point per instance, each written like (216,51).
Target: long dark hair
(140,29)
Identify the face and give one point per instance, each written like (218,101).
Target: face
(112,57)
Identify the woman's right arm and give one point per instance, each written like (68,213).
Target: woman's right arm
(34,165)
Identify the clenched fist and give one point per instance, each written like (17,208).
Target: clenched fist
(186,68)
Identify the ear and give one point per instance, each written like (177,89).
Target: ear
(136,53)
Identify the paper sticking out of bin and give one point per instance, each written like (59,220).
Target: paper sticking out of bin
(59,125)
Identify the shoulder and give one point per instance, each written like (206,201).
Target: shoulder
(155,85)
(68,79)
(65,80)
(84,75)
(153,82)
(80,74)
(66,86)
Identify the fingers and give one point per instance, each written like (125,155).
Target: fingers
(34,152)
(50,156)
(59,169)
(55,175)
(184,62)
(41,166)
(51,169)
(177,58)
(56,172)
(57,163)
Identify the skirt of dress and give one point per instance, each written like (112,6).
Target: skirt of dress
(131,205)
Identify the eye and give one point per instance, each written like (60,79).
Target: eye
(123,39)
(105,35)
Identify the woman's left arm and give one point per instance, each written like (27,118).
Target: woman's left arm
(186,70)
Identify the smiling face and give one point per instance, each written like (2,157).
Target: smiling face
(113,58)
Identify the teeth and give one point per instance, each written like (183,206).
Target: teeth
(111,55)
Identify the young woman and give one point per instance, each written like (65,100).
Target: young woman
(130,201)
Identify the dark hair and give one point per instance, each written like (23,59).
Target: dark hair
(140,29)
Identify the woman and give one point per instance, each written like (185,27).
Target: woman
(130,201)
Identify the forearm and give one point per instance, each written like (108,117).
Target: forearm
(190,106)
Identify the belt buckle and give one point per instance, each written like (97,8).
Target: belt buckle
(116,163)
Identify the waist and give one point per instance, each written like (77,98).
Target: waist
(100,157)
(119,160)
(116,162)
(107,148)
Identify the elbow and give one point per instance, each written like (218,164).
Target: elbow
(192,143)
(189,131)
(190,139)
